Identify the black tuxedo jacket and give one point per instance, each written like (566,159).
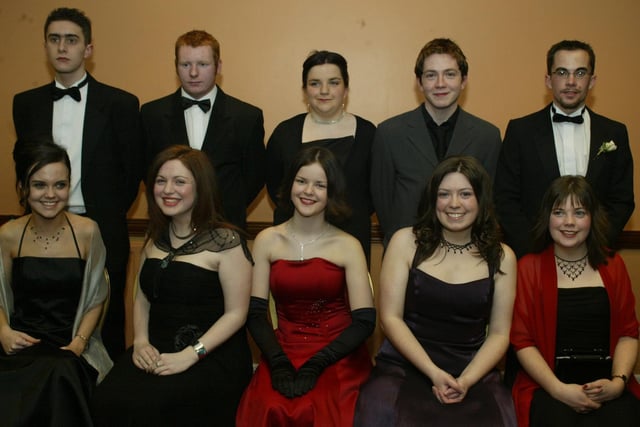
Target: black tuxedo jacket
(234,142)
(111,155)
(528,164)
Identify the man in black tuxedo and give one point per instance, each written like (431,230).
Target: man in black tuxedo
(201,115)
(99,127)
(407,148)
(564,138)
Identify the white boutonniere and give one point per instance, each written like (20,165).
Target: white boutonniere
(607,147)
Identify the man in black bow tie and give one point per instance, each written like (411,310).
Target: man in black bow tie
(564,138)
(99,127)
(201,115)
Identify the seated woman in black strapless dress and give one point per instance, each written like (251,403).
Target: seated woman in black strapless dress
(190,359)
(52,291)
(575,330)
(447,287)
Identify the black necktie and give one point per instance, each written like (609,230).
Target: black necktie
(558,118)
(73,92)
(204,104)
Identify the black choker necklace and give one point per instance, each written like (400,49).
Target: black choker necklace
(572,269)
(455,248)
(173,230)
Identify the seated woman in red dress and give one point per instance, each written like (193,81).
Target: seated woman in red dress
(313,364)
(574,325)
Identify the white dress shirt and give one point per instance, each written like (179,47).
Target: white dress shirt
(572,141)
(67,128)
(196,120)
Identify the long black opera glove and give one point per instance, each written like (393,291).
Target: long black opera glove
(362,325)
(282,371)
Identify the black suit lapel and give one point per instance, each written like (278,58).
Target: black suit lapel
(95,119)
(38,120)
(545,144)
(597,138)
(460,139)
(217,129)
(175,120)
(418,135)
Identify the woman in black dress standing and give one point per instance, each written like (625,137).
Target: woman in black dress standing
(325,82)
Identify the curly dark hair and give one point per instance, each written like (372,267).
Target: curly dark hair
(485,232)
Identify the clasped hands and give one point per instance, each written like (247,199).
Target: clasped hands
(290,383)
(590,396)
(147,358)
(448,389)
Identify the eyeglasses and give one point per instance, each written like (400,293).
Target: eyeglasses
(448,75)
(578,74)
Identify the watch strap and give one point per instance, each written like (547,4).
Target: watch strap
(200,350)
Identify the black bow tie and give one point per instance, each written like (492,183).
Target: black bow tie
(73,92)
(558,118)
(204,104)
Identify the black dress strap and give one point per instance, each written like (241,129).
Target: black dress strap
(22,236)
(73,233)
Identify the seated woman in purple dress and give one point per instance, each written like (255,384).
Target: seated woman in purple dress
(313,364)
(447,287)
(52,292)
(575,330)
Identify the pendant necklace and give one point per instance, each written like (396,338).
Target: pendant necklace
(308,242)
(454,247)
(572,269)
(46,241)
(327,122)
(173,230)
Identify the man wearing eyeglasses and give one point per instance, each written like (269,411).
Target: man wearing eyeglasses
(98,125)
(407,148)
(564,138)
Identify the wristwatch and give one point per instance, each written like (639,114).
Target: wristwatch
(201,352)
(623,377)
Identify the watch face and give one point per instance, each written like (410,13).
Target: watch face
(200,350)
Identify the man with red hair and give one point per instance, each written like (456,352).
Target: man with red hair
(201,115)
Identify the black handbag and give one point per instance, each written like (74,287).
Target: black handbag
(582,367)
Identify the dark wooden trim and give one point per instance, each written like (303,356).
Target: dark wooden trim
(137,227)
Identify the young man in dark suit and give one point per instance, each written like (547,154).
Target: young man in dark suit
(564,138)
(99,127)
(201,115)
(407,148)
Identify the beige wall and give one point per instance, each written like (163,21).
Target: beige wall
(264,44)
